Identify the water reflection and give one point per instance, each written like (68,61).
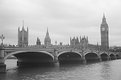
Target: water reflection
(108,70)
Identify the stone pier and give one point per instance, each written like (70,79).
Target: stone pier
(2,62)
(55,56)
(83,59)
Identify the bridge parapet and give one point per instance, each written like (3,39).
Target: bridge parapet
(28,49)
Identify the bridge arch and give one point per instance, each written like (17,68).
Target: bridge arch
(117,56)
(91,57)
(104,57)
(32,57)
(69,57)
(112,56)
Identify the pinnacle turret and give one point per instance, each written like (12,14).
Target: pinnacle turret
(47,40)
(22,37)
(104,19)
(47,34)
(38,42)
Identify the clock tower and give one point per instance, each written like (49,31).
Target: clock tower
(104,34)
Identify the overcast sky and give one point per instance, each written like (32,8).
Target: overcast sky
(64,19)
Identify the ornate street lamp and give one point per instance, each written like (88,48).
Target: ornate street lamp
(2,38)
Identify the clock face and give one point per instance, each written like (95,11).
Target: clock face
(103,29)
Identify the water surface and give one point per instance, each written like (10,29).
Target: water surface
(108,70)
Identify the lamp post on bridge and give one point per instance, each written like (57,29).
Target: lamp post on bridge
(2,63)
(2,38)
(2,46)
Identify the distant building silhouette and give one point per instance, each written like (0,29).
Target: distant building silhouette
(47,40)
(38,42)
(22,37)
(104,34)
(76,43)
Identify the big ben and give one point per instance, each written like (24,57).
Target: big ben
(104,34)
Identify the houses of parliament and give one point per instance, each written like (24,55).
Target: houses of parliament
(75,42)
(23,38)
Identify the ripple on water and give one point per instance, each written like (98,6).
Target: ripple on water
(109,70)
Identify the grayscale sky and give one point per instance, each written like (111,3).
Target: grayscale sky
(64,19)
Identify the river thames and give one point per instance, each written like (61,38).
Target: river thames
(108,70)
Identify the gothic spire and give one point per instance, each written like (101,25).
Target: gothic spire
(103,15)
(103,19)
(47,34)
(47,40)
(23,25)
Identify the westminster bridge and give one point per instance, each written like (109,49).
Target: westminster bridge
(36,56)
